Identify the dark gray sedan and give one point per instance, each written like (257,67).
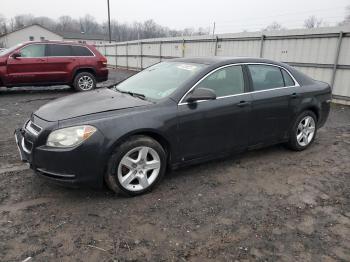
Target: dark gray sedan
(175,113)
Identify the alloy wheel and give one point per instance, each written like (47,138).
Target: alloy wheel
(139,168)
(305,131)
(85,83)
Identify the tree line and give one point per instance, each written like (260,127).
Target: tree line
(89,25)
(128,31)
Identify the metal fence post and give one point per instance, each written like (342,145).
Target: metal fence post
(216,46)
(183,47)
(262,46)
(116,55)
(141,64)
(127,56)
(336,58)
(160,51)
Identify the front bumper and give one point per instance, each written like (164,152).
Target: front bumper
(81,165)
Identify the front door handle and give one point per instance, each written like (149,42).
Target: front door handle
(243,103)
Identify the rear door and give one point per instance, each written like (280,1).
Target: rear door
(30,67)
(61,62)
(272,92)
(216,126)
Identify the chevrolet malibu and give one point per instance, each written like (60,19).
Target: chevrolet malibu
(172,114)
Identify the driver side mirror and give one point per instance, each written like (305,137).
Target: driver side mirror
(17,54)
(201,93)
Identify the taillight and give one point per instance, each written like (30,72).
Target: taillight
(104,61)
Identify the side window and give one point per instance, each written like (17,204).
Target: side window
(33,51)
(265,77)
(288,81)
(81,51)
(226,81)
(59,50)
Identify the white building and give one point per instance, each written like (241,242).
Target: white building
(28,33)
(39,33)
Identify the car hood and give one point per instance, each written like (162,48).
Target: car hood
(87,103)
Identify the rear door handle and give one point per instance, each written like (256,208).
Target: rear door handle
(243,103)
(294,95)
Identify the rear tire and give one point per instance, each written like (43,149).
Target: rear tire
(303,132)
(136,166)
(84,81)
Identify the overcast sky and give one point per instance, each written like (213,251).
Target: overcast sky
(229,15)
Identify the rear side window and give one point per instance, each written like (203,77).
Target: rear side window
(59,50)
(81,51)
(266,77)
(288,81)
(33,51)
(226,81)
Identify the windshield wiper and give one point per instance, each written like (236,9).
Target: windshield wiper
(142,96)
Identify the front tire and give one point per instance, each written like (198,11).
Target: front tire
(303,132)
(84,81)
(136,167)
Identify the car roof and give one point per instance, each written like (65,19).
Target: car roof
(220,60)
(55,42)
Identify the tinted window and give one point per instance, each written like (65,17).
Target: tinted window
(265,77)
(59,50)
(33,51)
(288,81)
(226,81)
(81,51)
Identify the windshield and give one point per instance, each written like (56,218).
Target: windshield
(160,80)
(9,50)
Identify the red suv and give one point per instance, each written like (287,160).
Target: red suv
(53,63)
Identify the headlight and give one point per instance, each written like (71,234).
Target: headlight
(70,136)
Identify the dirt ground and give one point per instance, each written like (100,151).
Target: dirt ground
(267,205)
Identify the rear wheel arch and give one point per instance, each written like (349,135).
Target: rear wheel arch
(83,69)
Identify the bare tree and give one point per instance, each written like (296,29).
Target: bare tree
(20,21)
(346,20)
(312,22)
(274,26)
(45,21)
(89,25)
(66,23)
(3,26)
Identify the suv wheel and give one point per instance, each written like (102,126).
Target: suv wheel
(84,82)
(136,166)
(303,131)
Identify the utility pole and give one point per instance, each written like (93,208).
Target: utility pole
(214,29)
(109,23)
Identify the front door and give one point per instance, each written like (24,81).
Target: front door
(216,126)
(29,68)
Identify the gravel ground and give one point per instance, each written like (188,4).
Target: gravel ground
(267,205)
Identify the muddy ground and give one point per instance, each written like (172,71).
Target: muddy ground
(267,205)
